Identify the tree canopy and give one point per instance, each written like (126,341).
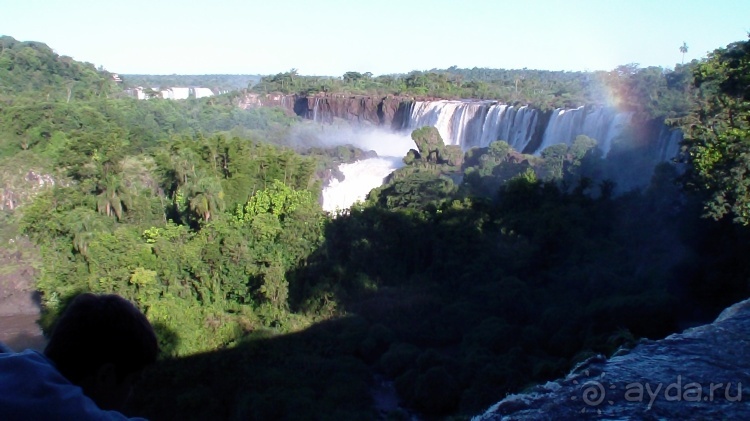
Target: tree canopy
(717,133)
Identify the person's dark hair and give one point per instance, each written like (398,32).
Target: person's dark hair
(98,329)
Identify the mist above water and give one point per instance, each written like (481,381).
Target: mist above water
(382,141)
(360,176)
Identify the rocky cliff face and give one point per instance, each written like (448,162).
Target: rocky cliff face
(268,100)
(19,188)
(19,301)
(389,111)
(702,373)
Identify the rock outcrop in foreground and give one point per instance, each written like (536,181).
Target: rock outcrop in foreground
(700,374)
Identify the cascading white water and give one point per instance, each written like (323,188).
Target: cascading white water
(478,123)
(366,174)
(176,93)
(467,124)
(458,122)
(438,114)
(202,92)
(286,101)
(515,125)
(315,109)
(601,124)
(475,123)
(619,124)
(360,177)
(669,143)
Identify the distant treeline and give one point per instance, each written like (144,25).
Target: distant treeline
(33,68)
(221,83)
(656,92)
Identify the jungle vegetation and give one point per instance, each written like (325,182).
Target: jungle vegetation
(654,92)
(464,278)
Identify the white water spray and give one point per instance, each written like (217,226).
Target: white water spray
(476,123)
(360,177)
(366,174)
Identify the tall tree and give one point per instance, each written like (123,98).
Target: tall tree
(717,133)
(114,197)
(83,224)
(206,198)
(684,50)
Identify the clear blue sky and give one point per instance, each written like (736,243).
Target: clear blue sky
(330,37)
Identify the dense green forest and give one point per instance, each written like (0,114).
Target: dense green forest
(33,70)
(653,91)
(222,83)
(465,277)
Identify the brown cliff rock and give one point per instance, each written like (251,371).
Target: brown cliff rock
(386,111)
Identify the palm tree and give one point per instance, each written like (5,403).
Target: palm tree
(83,223)
(184,165)
(206,198)
(114,196)
(683,50)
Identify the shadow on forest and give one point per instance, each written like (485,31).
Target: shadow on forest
(460,307)
(460,302)
(313,374)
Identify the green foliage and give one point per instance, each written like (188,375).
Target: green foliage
(580,147)
(488,169)
(221,83)
(653,92)
(204,279)
(399,358)
(717,133)
(456,271)
(278,199)
(460,290)
(429,143)
(34,70)
(554,157)
(416,190)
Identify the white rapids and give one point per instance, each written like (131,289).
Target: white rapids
(361,177)
(366,174)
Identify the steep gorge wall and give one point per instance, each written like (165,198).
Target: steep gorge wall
(468,123)
(389,111)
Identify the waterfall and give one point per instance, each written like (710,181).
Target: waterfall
(669,143)
(599,123)
(517,126)
(475,123)
(479,123)
(315,110)
(438,114)
(202,92)
(359,178)
(287,102)
(364,175)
